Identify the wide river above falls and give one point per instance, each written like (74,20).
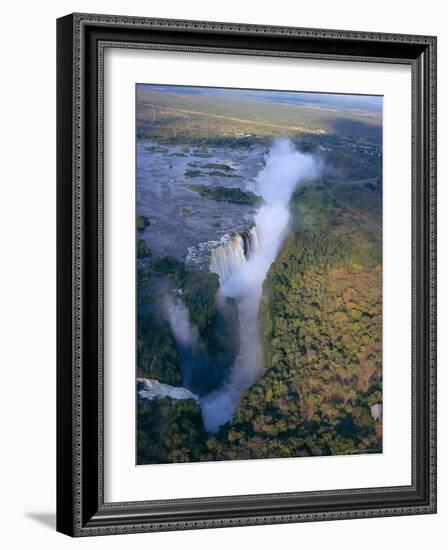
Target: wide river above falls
(181,220)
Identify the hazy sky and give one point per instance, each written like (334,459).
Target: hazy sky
(324,100)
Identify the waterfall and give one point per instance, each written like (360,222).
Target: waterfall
(250,241)
(242,267)
(232,250)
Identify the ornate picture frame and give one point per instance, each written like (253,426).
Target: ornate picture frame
(81,506)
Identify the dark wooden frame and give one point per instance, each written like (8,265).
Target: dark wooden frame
(81,39)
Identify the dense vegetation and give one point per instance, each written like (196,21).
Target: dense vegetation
(189,173)
(143,250)
(166,265)
(156,352)
(346,157)
(321,330)
(169,431)
(211,166)
(321,319)
(142,223)
(225,194)
(216,327)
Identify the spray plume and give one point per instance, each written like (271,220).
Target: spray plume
(285,169)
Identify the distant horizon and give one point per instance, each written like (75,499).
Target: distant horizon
(324,100)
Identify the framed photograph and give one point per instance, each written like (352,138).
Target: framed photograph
(246,274)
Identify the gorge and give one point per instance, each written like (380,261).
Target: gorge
(241,262)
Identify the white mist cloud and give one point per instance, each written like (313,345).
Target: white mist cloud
(285,169)
(186,334)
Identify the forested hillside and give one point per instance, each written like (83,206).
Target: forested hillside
(321,322)
(321,332)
